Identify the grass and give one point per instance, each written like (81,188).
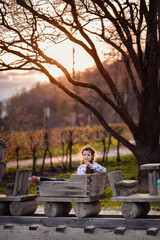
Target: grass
(128,166)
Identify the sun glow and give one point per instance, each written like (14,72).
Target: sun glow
(63,53)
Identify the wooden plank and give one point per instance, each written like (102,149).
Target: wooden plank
(4,198)
(114,177)
(69,199)
(126,191)
(21,185)
(94,185)
(100,221)
(98,183)
(126,183)
(136,198)
(80,178)
(59,189)
(26,183)
(150,166)
(153,176)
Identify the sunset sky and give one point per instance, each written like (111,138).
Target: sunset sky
(13,81)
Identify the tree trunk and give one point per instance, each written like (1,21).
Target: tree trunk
(144,155)
(118,151)
(34,161)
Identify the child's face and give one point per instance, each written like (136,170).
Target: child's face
(87,156)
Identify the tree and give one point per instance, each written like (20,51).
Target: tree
(131,28)
(34,140)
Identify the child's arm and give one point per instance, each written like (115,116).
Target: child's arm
(81,170)
(98,168)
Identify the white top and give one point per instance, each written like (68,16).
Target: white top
(95,166)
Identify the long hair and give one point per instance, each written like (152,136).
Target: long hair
(90,149)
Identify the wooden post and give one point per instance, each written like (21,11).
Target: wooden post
(153,176)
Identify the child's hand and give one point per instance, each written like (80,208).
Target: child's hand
(89,164)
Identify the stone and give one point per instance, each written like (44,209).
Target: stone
(152,231)
(89,229)
(119,230)
(60,228)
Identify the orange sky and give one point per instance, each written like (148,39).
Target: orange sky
(13,81)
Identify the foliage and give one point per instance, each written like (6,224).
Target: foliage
(25,141)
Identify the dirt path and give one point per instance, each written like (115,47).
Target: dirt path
(75,157)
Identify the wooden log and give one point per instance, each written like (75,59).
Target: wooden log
(23,208)
(4,208)
(146,207)
(132,210)
(87,209)
(55,209)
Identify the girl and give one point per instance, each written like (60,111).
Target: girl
(88,166)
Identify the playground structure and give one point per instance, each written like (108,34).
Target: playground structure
(134,204)
(84,190)
(17,201)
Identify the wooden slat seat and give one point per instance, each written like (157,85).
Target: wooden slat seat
(86,190)
(21,185)
(121,187)
(126,183)
(134,205)
(17,200)
(79,188)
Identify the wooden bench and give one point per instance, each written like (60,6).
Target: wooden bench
(85,190)
(121,187)
(17,200)
(134,205)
